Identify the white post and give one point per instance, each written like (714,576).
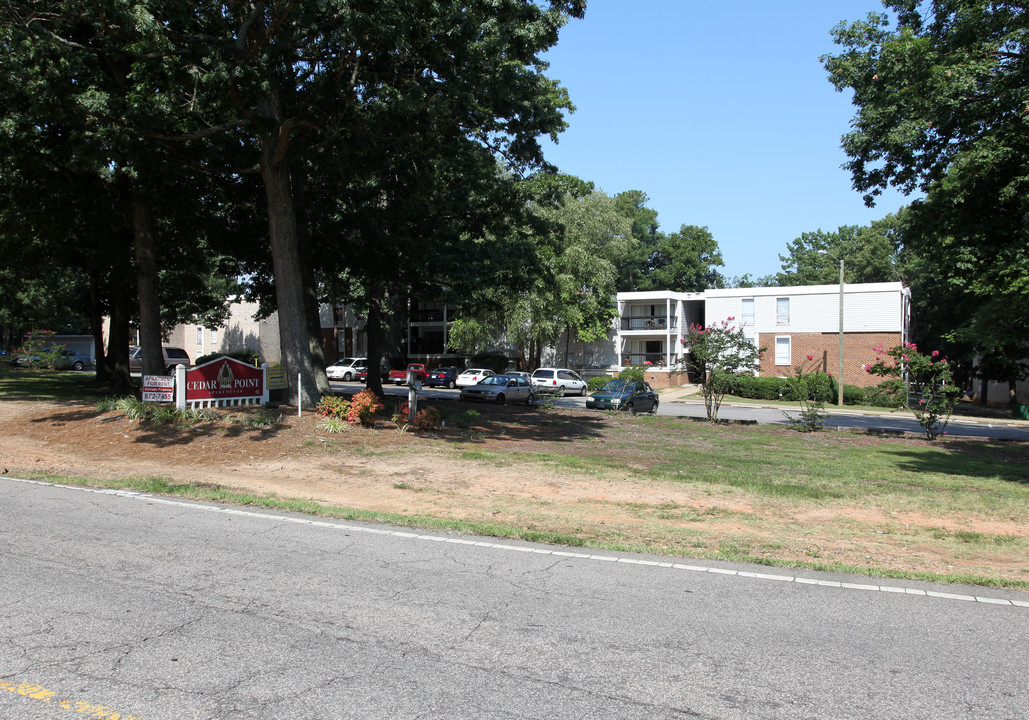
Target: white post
(412,396)
(266,394)
(180,387)
(299,408)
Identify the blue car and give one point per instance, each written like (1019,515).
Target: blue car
(442,377)
(632,395)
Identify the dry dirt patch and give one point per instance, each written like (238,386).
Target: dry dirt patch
(482,476)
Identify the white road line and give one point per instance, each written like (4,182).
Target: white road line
(537,551)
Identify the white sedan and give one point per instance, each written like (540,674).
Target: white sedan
(473,376)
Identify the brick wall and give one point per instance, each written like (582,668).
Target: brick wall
(825,348)
(660,380)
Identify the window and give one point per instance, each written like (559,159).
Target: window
(783,351)
(214,335)
(747,311)
(200,335)
(782,311)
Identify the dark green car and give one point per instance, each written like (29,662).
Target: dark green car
(632,395)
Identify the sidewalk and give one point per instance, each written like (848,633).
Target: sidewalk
(691,394)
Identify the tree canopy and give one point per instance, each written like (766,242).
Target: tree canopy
(940,90)
(406,108)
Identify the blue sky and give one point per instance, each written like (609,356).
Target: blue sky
(720,112)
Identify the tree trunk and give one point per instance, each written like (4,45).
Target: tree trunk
(150,336)
(117,356)
(96,328)
(295,342)
(373,331)
(310,286)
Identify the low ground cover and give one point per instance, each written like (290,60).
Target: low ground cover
(882,505)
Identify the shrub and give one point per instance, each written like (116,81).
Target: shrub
(888,394)
(428,418)
(333,407)
(632,373)
(363,408)
(853,395)
(595,383)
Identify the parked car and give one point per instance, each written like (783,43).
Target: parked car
(172,356)
(473,376)
(345,368)
(560,381)
(501,389)
(73,360)
(443,377)
(361,374)
(632,395)
(64,359)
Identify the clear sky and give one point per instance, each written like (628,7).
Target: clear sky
(720,112)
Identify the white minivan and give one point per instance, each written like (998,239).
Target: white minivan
(560,381)
(345,369)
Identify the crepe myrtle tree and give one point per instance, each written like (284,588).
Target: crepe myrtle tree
(715,352)
(931,389)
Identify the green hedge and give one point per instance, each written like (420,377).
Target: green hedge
(822,386)
(595,383)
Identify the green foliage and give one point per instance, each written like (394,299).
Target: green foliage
(940,100)
(250,357)
(931,392)
(887,394)
(717,352)
(854,395)
(632,373)
(332,406)
(334,424)
(39,350)
(595,383)
(427,418)
(806,388)
(462,419)
(496,363)
(684,261)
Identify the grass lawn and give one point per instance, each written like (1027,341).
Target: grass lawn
(952,510)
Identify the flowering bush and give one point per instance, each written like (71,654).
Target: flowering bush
(930,385)
(333,407)
(803,384)
(717,352)
(39,349)
(363,408)
(428,418)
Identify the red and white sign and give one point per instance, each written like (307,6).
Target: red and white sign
(158,388)
(224,378)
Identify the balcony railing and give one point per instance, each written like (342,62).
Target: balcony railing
(430,315)
(652,360)
(650,322)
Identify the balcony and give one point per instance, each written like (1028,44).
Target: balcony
(650,323)
(653,361)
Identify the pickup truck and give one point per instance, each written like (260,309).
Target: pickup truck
(400,376)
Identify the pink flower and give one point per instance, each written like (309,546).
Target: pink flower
(730,319)
(810,357)
(760,354)
(904,357)
(935,353)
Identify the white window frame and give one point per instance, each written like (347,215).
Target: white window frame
(200,335)
(745,317)
(788,339)
(782,318)
(214,336)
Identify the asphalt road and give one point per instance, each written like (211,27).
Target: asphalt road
(848,419)
(126,606)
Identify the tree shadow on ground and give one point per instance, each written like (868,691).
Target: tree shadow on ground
(1006,460)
